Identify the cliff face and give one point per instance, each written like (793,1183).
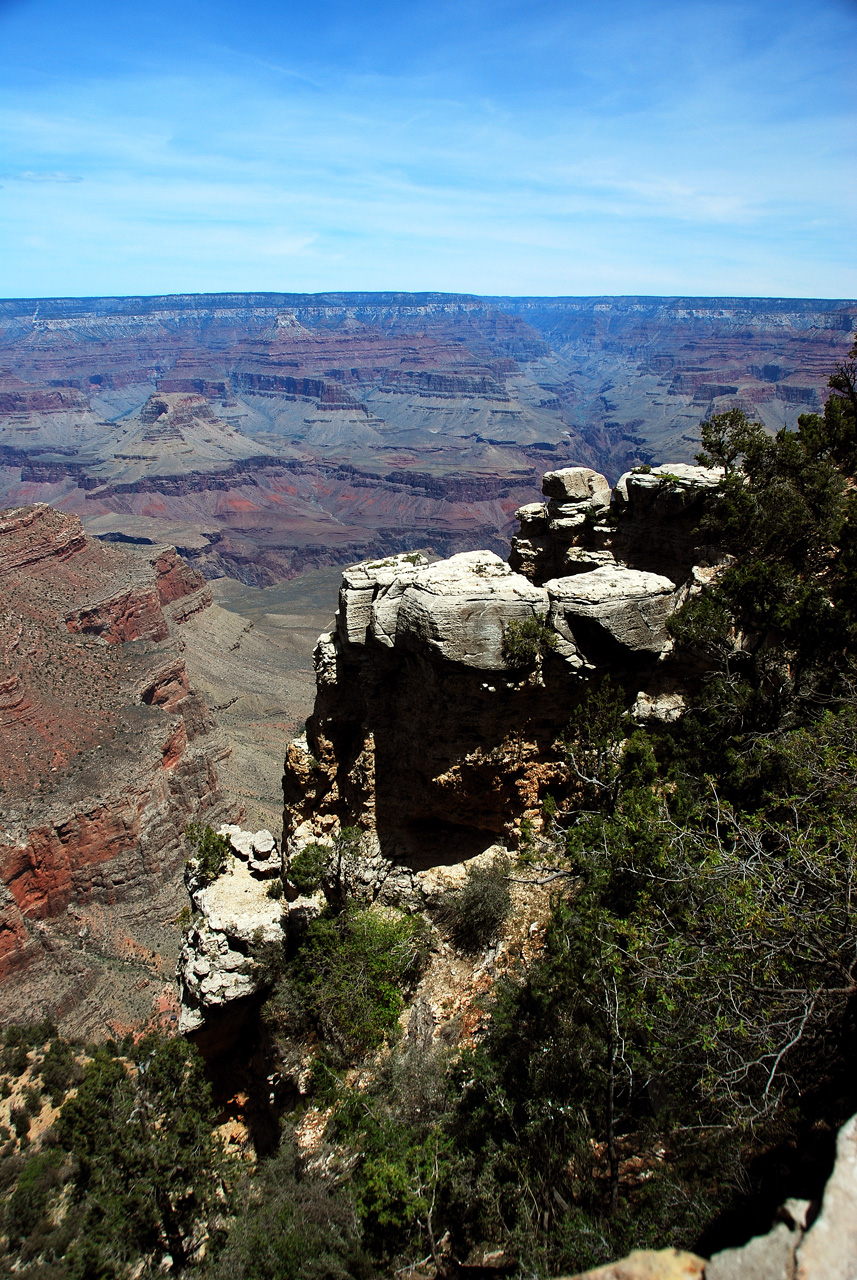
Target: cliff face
(427,731)
(108,753)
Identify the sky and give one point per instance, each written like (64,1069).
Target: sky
(468,146)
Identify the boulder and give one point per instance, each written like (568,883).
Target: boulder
(457,609)
(533,517)
(650,1264)
(365,585)
(612,604)
(828,1251)
(259,849)
(768,1257)
(575,485)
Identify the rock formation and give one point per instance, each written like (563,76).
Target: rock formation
(108,753)
(233,916)
(427,730)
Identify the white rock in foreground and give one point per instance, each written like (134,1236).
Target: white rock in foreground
(829,1249)
(577,484)
(458,608)
(627,606)
(232,916)
(370,595)
(682,477)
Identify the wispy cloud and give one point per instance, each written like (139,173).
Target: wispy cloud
(32,175)
(654,148)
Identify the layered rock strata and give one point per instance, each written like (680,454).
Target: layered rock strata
(428,730)
(289,431)
(108,753)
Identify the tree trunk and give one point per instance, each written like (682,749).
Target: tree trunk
(612,1154)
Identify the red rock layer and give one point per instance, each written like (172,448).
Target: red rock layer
(108,751)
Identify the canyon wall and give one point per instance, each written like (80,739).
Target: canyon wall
(108,753)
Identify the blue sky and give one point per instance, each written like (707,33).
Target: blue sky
(483,146)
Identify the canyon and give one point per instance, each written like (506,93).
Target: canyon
(435,748)
(268,434)
(108,752)
(209,462)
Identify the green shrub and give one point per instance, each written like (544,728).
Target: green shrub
(291,1228)
(209,851)
(59,1070)
(29,1200)
(351,972)
(526,642)
(32,1099)
(307,867)
(20,1118)
(275,889)
(474,913)
(15,1046)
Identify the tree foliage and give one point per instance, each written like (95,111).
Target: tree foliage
(148,1165)
(527,641)
(780,621)
(351,972)
(208,852)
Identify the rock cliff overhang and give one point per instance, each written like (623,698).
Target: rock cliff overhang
(429,729)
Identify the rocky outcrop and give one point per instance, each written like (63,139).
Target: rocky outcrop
(430,727)
(808,1242)
(233,917)
(650,522)
(612,608)
(457,610)
(828,1251)
(109,751)
(649,1264)
(28,537)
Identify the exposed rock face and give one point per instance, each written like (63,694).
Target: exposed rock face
(650,523)
(650,1264)
(828,1251)
(425,731)
(108,753)
(807,1243)
(612,607)
(457,610)
(232,916)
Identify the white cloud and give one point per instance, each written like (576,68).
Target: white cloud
(706,177)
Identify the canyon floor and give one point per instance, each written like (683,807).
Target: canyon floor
(250,654)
